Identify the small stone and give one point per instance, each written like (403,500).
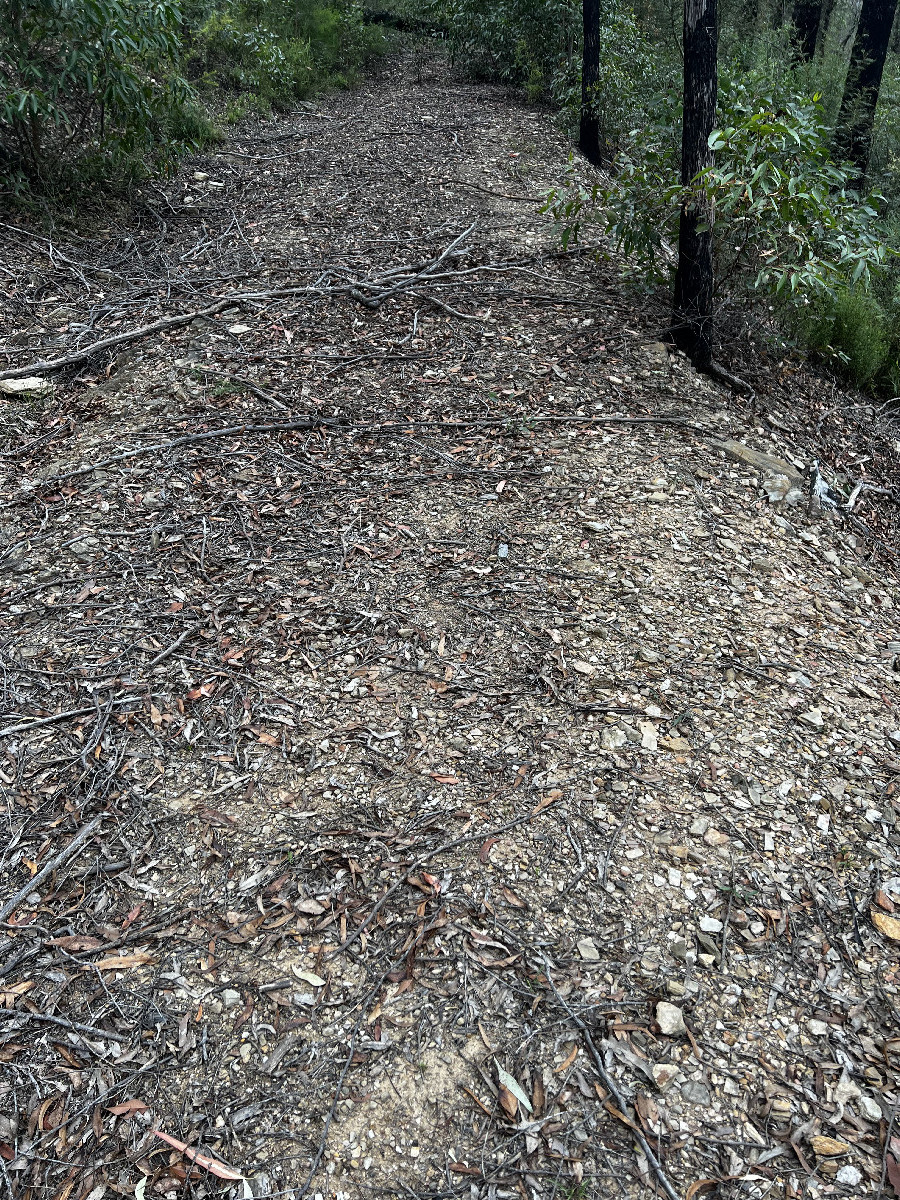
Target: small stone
(869,1108)
(583,668)
(849,1175)
(674,877)
(200,176)
(695,1093)
(663,1074)
(238,329)
(676,988)
(679,948)
(231,998)
(612,738)
(503,552)
(706,960)
(33,385)
(828,1147)
(813,718)
(817,1028)
(588,950)
(699,826)
(670,1019)
(713,837)
(648,656)
(711,925)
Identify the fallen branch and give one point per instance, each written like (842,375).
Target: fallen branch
(235,299)
(64,855)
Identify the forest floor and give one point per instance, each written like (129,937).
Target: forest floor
(436,762)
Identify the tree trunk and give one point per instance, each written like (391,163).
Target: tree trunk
(589,131)
(806,18)
(692,324)
(857,118)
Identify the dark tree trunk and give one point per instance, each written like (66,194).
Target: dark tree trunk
(692,323)
(806,17)
(870,47)
(589,131)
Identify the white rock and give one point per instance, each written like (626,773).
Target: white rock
(813,718)
(588,950)
(850,1175)
(238,329)
(869,1108)
(32,386)
(663,1074)
(612,738)
(700,826)
(711,925)
(231,998)
(670,1019)
(817,1028)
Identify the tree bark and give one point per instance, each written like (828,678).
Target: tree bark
(806,18)
(870,46)
(692,320)
(589,130)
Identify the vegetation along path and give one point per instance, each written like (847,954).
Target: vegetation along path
(445,752)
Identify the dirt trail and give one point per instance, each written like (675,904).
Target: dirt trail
(496,798)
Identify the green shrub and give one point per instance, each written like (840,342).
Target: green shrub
(276,51)
(849,327)
(786,219)
(89,82)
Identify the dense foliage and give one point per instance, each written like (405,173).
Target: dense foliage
(93,81)
(794,232)
(112,88)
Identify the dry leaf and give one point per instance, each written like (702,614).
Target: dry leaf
(511,1085)
(511,898)
(509,1103)
(128,1107)
(120,961)
(889,926)
(212,1165)
(9,995)
(567,1062)
(309,977)
(701,1188)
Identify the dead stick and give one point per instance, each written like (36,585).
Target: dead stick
(66,853)
(610,1084)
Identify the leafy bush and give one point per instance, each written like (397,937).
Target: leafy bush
(785,216)
(536,45)
(92,81)
(279,51)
